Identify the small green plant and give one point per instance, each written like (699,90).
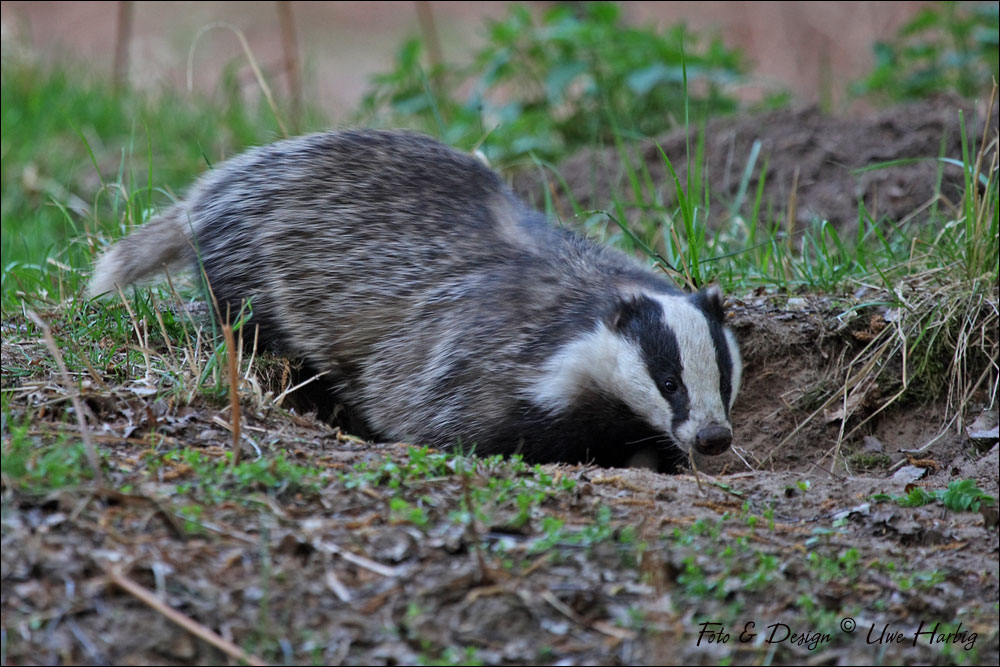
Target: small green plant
(915,497)
(869,460)
(964,496)
(492,486)
(214,479)
(453,656)
(946,47)
(716,565)
(556,537)
(401,510)
(919,580)
(960,496)
(573,76)
(845,565)
(38,466)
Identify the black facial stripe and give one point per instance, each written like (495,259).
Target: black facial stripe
(715,315)
(642,321)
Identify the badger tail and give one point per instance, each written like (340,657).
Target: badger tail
(162,242)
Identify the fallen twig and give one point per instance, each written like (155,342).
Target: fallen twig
(50,342)
(360,561)
(186,622)
(234,391)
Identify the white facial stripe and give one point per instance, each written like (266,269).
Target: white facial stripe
(701,369)
(612,363)
(737,363)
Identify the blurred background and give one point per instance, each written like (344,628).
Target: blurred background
(105,98)
(811,49)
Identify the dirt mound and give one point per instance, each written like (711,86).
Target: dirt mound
(821,154)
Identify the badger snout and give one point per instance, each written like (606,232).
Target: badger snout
(713,439)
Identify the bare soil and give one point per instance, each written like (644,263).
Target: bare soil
(821,159)
(771,534)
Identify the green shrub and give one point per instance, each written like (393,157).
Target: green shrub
(546,85)
(946,47)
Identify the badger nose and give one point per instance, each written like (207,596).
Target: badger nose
(713,440)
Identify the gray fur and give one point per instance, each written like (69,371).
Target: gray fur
(445,310)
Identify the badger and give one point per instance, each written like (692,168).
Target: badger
(444,310)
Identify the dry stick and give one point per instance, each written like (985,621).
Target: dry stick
(351,557)
(123,39)
(235,417)
(426,19)
(50,342)
(192,348)
(186,622)
(293,68)
(684,265)
(264,88)
(334,583)
(253,352)
(282,395)
(163,328)
(94,375)
(143,347)
(694,467)
(793,202)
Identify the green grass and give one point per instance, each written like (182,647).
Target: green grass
(80,158)
(756,250)
(39,465)
(81,165)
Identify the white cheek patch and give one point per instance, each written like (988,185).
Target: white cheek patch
(605,360)
(701,368)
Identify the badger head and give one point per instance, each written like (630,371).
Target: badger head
(668,357)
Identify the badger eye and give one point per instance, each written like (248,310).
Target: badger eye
(669,385)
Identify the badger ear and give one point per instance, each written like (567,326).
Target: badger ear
(625,310)
(711,302)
